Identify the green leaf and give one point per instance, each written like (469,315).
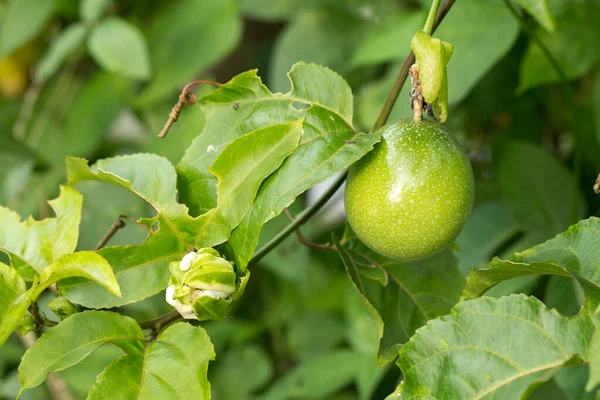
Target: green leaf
(401,297)
(573,44)
(63,46)
(33,245)
(322,35)
(540,10)
(374,47)
(432,56)
(91,10)
(14,301)
(594,352)
(574,253)
(85,264)
(118,46)
(317,378)
(174,366)
(464,355)
(248,366)
(490,226)
(541,196)
(22,21)
(74,339)
(186,38)
(241,168)
(329,143)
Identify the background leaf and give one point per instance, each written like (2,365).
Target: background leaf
(118,46)
(63,46)
(24,19)
(540,10)
(91,10)
(187,38)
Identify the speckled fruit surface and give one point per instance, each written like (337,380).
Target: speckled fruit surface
(410,197)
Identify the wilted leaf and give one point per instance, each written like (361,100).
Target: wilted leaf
(432,56)
(173,366)
(464,355)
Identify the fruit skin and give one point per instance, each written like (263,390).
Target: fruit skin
(409,198)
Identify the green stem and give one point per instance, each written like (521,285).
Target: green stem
(431,17)
(403,74)
(381,120)
(299,220)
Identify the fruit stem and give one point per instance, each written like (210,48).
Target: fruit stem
(381,120)
(431,17)
(403,74)
(416,94)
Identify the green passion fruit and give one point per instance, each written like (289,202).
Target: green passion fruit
(409,198)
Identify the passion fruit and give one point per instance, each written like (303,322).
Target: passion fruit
(409,198)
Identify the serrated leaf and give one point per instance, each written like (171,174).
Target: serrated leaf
(574,253)
(401,297)
(463,355)
(22,21)
(186,38)
(118,46)
(240,173)
(91,10)
(573,44)
(74,339)
(13,300)
(174,366)
(433,55)
(328,145)
(241,167)
(84,264)
(63,46)
(540,11)
(33,245)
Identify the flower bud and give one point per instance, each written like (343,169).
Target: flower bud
(203,285)
(26,325)
(62,307)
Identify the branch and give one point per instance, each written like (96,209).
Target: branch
(158,323)
(118,224)
(597,185)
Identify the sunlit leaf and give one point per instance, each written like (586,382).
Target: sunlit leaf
(13,300)
(33,245)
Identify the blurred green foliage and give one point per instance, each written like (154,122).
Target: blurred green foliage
(96,78)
